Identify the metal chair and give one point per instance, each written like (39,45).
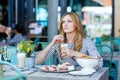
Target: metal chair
(105,49)
(112,41)
(117,44)
(17,77)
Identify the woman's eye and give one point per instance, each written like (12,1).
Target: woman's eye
(69,21)
(63,21)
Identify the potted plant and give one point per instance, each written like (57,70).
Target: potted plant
(28,47)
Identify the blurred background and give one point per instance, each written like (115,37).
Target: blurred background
(41,17)
(100,19)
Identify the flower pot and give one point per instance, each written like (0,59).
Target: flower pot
(29,62)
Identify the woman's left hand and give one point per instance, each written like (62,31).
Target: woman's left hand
(67,52)
(70,53)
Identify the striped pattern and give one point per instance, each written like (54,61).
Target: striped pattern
(88,48)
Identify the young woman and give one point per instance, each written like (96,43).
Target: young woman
(71,31)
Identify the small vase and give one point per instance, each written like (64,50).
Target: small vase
(29,62)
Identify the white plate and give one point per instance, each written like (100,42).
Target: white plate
(82,72)
(38,66)
(41,67)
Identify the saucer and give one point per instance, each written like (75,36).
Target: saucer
(82,72)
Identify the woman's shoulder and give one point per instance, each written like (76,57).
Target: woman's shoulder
(88,39)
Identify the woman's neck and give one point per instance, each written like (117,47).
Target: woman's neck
(70,37)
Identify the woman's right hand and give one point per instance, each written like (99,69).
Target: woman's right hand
(57,39)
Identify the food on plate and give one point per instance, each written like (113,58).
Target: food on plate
(67,64)
(84,56)
(50,68)
(60,67)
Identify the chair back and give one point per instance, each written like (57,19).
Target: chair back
(117,44)
(17,77)
(105,49)
(113,42)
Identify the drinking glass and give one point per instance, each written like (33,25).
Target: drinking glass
(65,46)
(6,54)
(21,60)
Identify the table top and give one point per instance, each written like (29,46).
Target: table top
(37,74)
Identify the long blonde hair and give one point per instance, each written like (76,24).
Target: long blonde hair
(79,32)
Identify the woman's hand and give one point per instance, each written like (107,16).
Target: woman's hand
(71,53)
(65,52)
(57,39)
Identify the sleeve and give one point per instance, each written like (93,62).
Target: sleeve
(92,50)
(13,40)
(51,52)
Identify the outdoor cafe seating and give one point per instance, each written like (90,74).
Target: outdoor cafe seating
(110,45)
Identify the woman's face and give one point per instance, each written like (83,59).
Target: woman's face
(67,24)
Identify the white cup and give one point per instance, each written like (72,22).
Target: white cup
(21,60)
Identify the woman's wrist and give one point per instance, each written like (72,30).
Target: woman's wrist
(52,43)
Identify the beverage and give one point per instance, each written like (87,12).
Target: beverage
(67,45)
(64,47)
(21,60)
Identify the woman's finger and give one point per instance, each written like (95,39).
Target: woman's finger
(64,55)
